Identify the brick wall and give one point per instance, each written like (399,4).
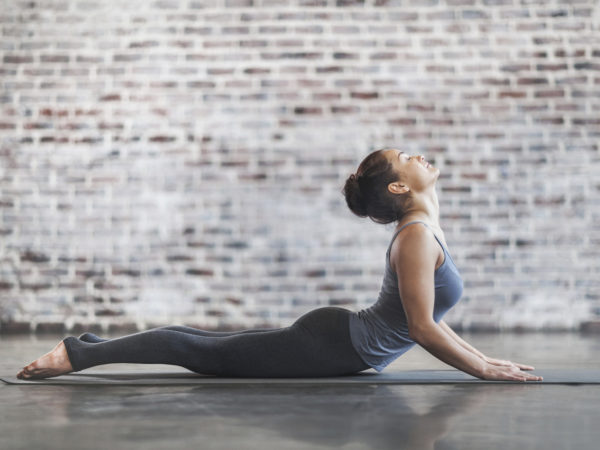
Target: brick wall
(180,162)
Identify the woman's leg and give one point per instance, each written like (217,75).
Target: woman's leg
(317,344)
(56,362)
(90,337)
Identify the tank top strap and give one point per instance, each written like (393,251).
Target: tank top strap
(436,238)
(401,228)
(417,221)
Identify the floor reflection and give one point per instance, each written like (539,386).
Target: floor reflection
(375,416)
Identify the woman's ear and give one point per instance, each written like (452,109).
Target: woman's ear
(398,188)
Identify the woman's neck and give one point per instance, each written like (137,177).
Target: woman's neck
(425,207)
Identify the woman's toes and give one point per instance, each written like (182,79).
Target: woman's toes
(29,371)
(23,374)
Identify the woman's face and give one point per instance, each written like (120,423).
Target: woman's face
(413,171)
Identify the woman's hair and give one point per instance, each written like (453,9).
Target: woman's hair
(367,194)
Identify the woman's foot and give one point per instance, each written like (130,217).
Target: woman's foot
(52,364)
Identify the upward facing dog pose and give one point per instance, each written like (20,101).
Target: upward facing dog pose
(420,284)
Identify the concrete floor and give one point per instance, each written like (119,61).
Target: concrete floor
(308,417)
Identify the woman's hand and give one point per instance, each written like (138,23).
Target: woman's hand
(503,362)
(508,372)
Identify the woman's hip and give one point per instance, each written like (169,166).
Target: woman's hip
(326,320)
(328,328)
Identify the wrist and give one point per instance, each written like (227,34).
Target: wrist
(484,370)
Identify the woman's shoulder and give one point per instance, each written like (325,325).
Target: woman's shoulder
(412,243)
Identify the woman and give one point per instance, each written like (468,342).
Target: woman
(421,283)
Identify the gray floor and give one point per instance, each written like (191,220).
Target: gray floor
(302,417)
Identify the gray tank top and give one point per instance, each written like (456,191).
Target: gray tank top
(380,333)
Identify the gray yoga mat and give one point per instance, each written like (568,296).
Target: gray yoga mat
(551,376)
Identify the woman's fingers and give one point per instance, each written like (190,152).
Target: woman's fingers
(531,377)
(499,362)
(510,373)
(524,366)
(524,376)
(503,362)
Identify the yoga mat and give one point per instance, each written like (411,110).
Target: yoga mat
(551,376)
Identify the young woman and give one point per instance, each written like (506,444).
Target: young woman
(420,284)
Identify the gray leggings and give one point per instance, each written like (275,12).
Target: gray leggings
(316,345)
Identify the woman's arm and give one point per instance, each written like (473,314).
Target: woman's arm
(413,257)
(465,344)
(460,341)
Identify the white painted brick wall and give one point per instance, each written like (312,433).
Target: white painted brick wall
(180,162)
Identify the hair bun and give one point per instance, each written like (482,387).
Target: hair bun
(354,197)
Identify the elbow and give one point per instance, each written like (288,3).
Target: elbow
(421,333)
(415,335)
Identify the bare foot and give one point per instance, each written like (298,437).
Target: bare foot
(52,364)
